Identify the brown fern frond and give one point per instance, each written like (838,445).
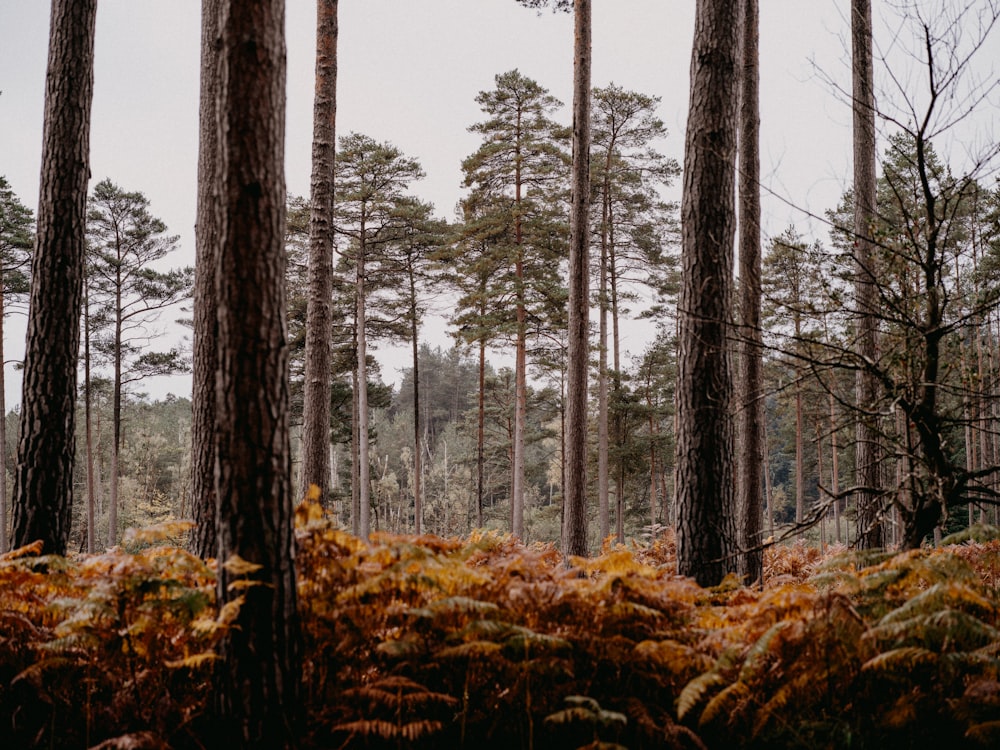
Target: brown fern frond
(901,661)
(726,704)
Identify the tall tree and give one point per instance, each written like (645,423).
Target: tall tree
(575,490)
(17,235)
(257,681)
(319,320)
(204,540)
(127,295)
(520,160)
(631,226)
(750,502)
(706,532)
(870,532)
(410,255)
(371,180)
(43,484)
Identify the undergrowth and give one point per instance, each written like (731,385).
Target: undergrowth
(421,642)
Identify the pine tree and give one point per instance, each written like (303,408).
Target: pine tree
(371,181)
(126,295)
(17,236)
(521,160)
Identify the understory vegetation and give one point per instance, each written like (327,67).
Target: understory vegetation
(484,642)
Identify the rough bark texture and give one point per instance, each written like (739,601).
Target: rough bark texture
(706,531)
(750,563)
(258,679)
(319,318)
(43,480)
(575,541)
(204,541)
(870,532)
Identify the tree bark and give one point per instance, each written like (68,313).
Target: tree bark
(418,507)
(750,480)
(43,482)
(88,427)
(204,541)
(319,317)
(575,542)
(870,533)
(257,682)
(364,467)
(706,530)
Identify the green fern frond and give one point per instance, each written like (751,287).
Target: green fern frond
(696,691)
(949,595)
(524,644)
(900,661)
(980,532)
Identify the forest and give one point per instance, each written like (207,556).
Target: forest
(776,526)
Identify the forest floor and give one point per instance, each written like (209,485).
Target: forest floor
(483,642)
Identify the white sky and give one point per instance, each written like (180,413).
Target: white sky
(409,71)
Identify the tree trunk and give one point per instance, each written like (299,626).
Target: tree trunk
(750,507)
(575,503)
(364,468)
(116,422)
(204,541)
(834,469)
(257,682)
(319,319)
(706,531)
(520,367)
(43,482)
(870,533)
(418,506)
(4,536)
(88,427)
(481,434)
(603,501)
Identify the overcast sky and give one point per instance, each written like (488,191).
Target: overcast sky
(409,71)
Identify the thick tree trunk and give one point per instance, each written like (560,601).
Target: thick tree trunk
(319,319)
(706,530)
(43,482)
(204,541)
(257,682)
(749,483)
(870,532)
(575,541)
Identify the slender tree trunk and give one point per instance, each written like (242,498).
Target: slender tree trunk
(520,364)
(800,470)
(481,434)
(43,482)
(870,532)
(418,506)
(603,501)
(4,536)
(116,423)
(257,680)
(750,564)
(355,452)
(706,530)
(87,403)
(204,539)
(319,319)
(575,542)
(364,469)
(835,469)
